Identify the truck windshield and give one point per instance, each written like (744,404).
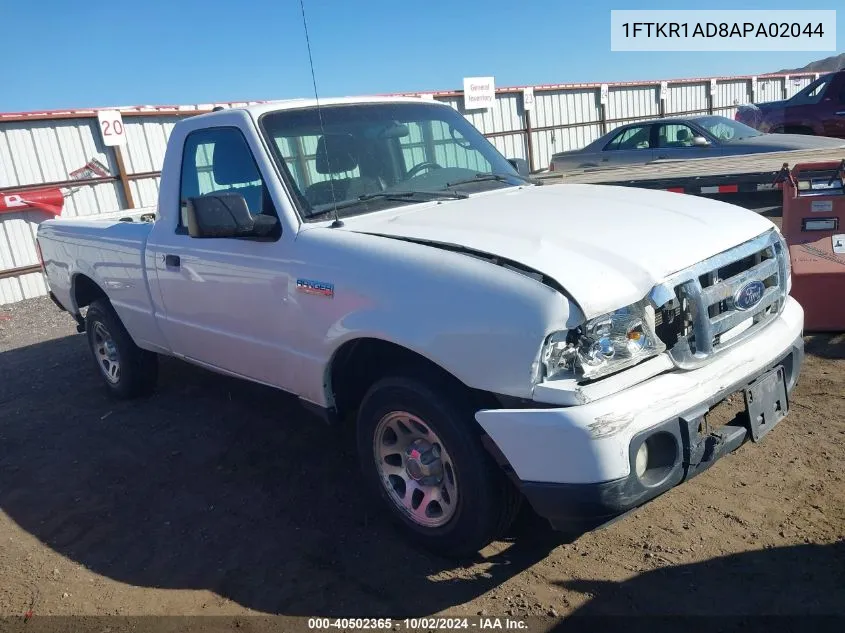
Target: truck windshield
(725,129)
(359,150)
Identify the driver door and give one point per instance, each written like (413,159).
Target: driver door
(224,298)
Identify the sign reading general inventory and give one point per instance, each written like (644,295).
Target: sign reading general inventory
(479,93)
(111,127)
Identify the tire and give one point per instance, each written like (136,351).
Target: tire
(111,346)
(479,503)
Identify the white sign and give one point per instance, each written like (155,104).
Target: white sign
(479,93)
(821,206)
(603,94)
(838,244)
(528,99)
(754,88)
(664,90)
(111,127)
(14,200)
(712,86)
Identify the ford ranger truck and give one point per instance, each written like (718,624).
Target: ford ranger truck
(491,340)
(818,109)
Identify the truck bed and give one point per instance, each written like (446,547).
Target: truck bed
(108,250)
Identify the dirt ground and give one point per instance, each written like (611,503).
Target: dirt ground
(215,496)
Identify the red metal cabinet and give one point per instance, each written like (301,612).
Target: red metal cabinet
(814,228)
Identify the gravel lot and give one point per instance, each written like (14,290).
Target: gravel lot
(215,496)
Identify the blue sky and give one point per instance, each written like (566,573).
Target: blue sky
(58,53)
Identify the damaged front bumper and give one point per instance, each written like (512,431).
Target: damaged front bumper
(577,466)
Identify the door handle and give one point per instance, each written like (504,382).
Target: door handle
(172,260)
(840,113)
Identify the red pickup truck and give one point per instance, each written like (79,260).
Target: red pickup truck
(818,109)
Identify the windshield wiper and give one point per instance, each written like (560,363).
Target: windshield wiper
(400,196)
(411,194)
(484,177)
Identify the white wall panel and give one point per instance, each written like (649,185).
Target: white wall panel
(633,102)
(562,107)
(511,145)
(145,191)
(769,90)
(35,152)
(732,93)
(146,141)
(687,98)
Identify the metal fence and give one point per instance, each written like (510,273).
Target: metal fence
(60,155)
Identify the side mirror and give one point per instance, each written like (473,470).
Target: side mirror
(226,215)
(700,141)
(521,166)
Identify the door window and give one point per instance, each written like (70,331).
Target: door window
(632,138)
(674,135)
(219,159)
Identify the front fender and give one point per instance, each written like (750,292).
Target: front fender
(481,322)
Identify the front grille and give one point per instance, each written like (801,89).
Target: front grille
(699,314)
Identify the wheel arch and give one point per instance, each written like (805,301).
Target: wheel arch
(361,361)
(84,291)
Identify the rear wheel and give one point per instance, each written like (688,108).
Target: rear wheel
(127,370)
(422,457)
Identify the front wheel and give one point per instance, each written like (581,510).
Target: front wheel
(422,457)
(127,370)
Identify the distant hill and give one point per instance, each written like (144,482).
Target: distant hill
(826,65)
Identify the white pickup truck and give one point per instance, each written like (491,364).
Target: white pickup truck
(492,340)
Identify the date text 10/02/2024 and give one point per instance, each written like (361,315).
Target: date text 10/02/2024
(722,29)
(415,624)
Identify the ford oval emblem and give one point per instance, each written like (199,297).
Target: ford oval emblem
(749,295)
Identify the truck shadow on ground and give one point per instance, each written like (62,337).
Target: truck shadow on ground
(830,346)
(726,593)
(212,483)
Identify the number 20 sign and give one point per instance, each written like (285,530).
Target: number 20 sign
(111,127)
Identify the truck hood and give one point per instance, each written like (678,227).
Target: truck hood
(606,245)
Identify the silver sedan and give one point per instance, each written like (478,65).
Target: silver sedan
(682,138)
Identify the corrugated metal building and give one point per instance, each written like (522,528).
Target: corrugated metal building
(62,153)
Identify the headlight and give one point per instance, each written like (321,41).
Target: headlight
(788,262)
(603,345)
